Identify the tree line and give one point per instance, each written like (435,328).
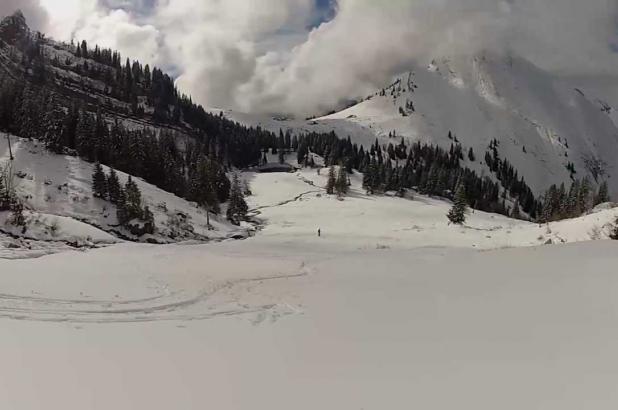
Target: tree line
(562,203)
(429,169)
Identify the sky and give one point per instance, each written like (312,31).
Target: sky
(305,56)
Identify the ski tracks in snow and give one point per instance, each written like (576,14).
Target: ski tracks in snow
(250,297)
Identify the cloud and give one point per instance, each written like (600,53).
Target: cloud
(218,43)
(369,41)
(271,56)
(118,31)
(33,11)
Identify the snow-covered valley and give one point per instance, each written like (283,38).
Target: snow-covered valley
(389,306)
(442,243)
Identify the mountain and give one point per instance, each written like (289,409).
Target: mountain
(498,126)
(542,122)
(506,98)
(67,106)
(357,290)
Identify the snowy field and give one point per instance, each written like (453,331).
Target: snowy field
(246,326)
(391,308)
(295,206)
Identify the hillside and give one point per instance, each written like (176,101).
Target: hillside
(541,121)
(69,106)
(294,206)
(86,100)
(57,191)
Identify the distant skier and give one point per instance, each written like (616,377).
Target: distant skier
(319,232)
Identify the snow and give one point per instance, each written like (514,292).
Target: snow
(391,307)
(47,234)
(247,325)
(61,185)
(361,222)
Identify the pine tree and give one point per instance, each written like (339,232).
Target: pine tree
(516,213)
(99,182)
(602,195)
(584,199)
(332,181)
(573,209)
(457,214)
(237,207)
(113,187)
(281,147)
(4,196)
(281,156)
(133,200)
(17,215)
(471,155)
(303,152)
(84,51)
(202,188)
(121,209)
(341,185)
(149,222)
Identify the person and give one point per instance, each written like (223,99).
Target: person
(319,232)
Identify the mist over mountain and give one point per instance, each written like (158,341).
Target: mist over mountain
(295,57)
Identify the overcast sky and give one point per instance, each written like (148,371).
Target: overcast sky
(303,56)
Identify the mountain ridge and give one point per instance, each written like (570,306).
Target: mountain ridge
(543,123)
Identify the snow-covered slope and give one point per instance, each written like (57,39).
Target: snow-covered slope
(295,206)
(62,186)
(293,321)
(542,121)
(604,90)
(506,98)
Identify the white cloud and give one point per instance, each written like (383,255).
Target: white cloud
(257,56)
(116,30)
(67,15)
(369,41)
(218,43)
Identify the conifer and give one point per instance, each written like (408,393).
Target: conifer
(332,181)
(602,194)
(133,200)
(99,182)
(457,214)
(237,207)
(149,221)
(113,187)
(516,212)
(341,185)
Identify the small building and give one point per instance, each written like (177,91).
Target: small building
(275,167)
